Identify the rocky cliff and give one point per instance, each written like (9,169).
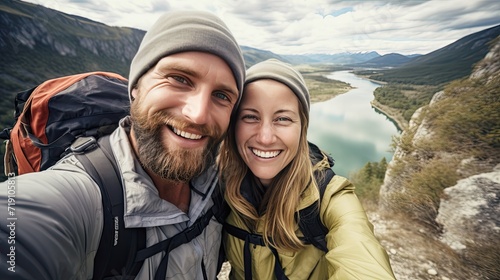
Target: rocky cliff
(446,169)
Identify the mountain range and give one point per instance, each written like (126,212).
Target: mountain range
(39,43)
(451,62)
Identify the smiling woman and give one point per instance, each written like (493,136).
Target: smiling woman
(267,128)
(271,174)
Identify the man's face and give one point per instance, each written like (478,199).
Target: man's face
(180,113)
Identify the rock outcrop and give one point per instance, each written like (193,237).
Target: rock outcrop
(469,211)
(466,217)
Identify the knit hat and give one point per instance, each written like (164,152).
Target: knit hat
(183,31)
(283,73)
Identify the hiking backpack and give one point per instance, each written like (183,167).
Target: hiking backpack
(49,117)
(75,115)
(309,222)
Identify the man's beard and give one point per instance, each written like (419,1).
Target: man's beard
(171,163)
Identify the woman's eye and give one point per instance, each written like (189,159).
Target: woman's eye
(249,118)
(283,119)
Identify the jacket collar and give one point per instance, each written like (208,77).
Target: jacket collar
(143,206)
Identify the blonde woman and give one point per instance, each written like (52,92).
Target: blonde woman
(271,173)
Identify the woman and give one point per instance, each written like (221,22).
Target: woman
(270,174)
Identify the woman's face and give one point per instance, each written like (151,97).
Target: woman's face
(268,128)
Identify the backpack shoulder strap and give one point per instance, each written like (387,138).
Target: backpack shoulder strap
(118,246)
(220,208)
(173,242)
(220,211)
(310,223)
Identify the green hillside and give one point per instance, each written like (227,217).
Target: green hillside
(444,65)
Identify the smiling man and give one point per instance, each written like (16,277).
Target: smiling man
(184,82)
(180,112)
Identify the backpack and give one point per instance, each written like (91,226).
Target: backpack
(309,223)
(49,117)
(75,115)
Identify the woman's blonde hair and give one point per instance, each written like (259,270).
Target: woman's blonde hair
(282,197)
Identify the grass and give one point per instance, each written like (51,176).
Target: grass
(320,87)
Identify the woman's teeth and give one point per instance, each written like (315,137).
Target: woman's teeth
(263,154)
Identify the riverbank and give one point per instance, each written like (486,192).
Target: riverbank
(323,89)
(392,114)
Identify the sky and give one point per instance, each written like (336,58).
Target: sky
(313,26)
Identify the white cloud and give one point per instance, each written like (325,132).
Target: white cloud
(313,26)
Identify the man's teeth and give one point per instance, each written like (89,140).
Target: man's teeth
(263,154)
(187,134)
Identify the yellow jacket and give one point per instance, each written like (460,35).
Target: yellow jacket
(354,252)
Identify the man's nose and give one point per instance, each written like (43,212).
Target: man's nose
(196,108)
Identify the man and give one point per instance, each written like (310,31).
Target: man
(184,82)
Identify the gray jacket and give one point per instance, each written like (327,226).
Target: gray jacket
(52,220)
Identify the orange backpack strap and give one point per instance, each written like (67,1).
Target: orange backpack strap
(8,164)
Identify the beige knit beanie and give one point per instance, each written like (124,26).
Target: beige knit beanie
(283,73)
(182,31)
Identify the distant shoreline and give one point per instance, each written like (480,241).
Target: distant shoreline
(392,114)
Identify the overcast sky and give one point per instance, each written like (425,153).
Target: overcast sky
(313,26)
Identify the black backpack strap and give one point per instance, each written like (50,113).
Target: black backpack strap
(220,208)
(278,270)
(255,239)
(118,245)
(221,211)
(249,238)
(173,242)
(310,222)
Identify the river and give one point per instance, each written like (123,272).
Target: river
(349,128)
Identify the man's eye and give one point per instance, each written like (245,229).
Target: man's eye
(222,95)
(179,79)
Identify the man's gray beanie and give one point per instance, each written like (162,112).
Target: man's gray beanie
(183,31)
(284,73)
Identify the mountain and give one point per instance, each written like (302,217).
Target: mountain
(253,56)
(451,62)
(339,58)
(384,61)
(38,43)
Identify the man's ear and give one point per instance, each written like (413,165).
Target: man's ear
(134,93)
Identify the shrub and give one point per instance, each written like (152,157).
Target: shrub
(368,181)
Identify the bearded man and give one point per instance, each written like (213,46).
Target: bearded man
(184,82)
